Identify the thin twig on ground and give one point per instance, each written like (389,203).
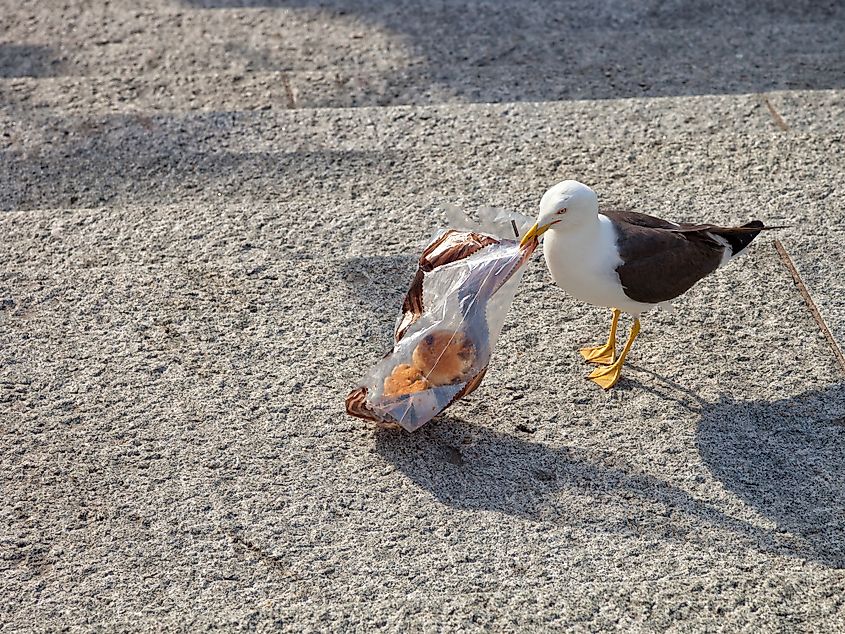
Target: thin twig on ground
(808,299)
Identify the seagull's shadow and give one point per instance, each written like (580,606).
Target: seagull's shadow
(783,458)
(786,464)
(786,459)
(664,389)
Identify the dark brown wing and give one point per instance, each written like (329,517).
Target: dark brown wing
(659,262)
(640,220)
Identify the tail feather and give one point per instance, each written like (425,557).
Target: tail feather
(733,239)
(738,240)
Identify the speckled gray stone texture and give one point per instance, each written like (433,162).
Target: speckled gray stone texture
(819,261)
(196,267)
(201,54)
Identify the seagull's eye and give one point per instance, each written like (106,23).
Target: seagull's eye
(560,212)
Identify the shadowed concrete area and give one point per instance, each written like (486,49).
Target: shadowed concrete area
(22,60)
(198,263)
(533,51)
(93,175)
(784,459)
(168,55)
(781,458)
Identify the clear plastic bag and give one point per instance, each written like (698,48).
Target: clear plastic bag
(451,319)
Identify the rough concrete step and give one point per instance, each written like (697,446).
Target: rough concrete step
(352,54)
(177,402)
(170,90)
(80,39)
(416,157)
(259,188)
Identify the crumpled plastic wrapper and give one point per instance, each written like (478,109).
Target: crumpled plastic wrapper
(451,319)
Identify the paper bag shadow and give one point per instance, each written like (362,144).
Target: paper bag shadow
(789,469)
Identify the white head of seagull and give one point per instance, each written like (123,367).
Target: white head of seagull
(566,205)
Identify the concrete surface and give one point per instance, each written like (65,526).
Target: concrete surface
(181,55)
(191,281)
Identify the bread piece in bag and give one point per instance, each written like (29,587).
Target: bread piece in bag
(451,319)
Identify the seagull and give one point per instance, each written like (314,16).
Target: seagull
(626,261)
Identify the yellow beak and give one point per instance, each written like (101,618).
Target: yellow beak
(534,232)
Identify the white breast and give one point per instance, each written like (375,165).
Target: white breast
(583,262)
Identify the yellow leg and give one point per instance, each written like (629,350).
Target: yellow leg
(607,353)
(607,376)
